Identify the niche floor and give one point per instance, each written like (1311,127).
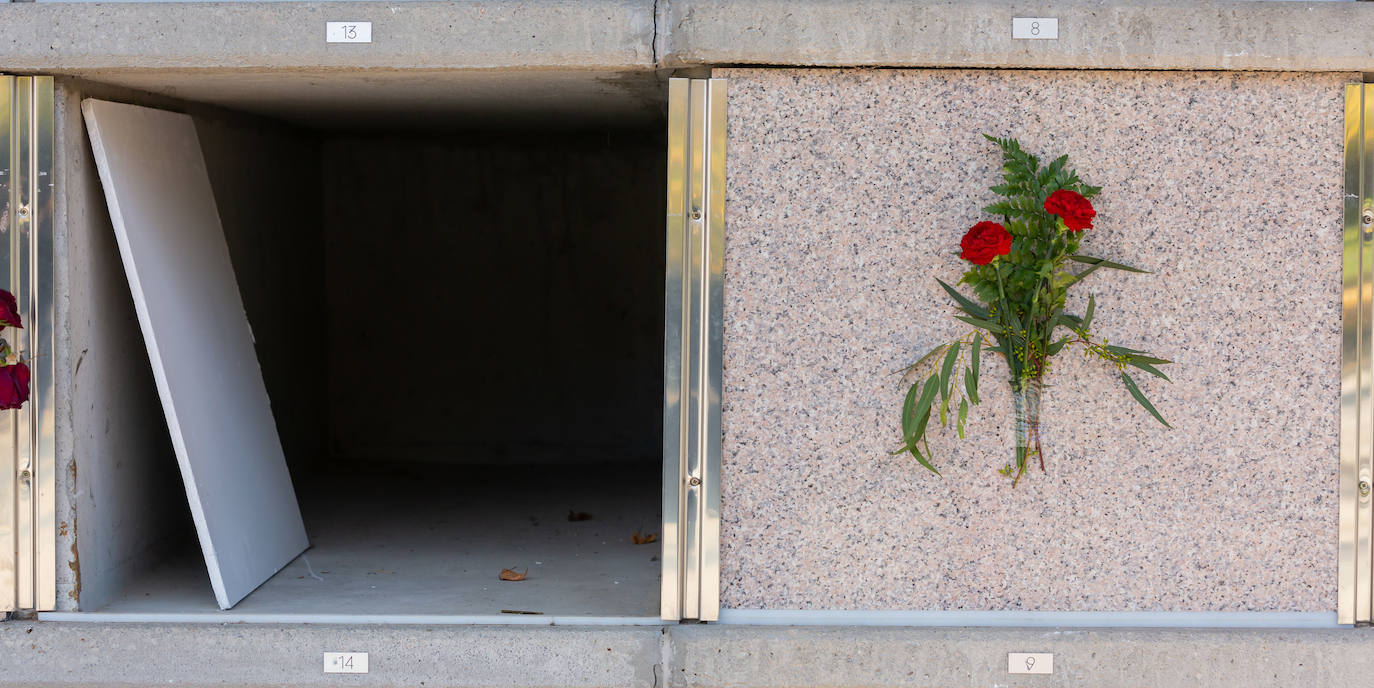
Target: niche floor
(419,540)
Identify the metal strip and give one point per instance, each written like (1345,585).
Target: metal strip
(692,349)
(21,272)
(9,546)
(1364,513)
(1024,619)
(712,348)
(674,426)
(696,231)
(1350,363)
(235,617)
(28,533)
(41,333)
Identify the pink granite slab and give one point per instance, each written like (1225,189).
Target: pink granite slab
(847,193)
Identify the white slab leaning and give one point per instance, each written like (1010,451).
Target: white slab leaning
(199,343)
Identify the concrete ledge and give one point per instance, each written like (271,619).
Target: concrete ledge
(461,34)
(85,654)
(821,657)
(54,654)
(1093,34)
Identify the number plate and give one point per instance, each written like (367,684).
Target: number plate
(345,662)
(1030,663)
(1035,27)
(348,32)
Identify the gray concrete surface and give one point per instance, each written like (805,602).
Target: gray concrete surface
(1095,34)
(461,34)
(637,35)
(67,654)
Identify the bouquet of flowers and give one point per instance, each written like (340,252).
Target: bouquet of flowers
(1021,271)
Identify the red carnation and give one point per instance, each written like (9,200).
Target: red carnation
(985,241)
(14,385)
(1076,211)
(9,310)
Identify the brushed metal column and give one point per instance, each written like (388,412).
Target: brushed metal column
(693,328)
(1355,558)
(28,532)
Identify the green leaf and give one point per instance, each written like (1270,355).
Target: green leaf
(944,412)
(1147,367)
(1135,392)
(971,385)
(988,325)
(966,303)
(1122,351)
(1149,359)
(1088,316)
(1102,262)
(945,369)
(921,412)
(1056,347)
(963,416)
(977,352)
(1012,320)
(1079,277)
(909,405)
(921,459)
(929,355)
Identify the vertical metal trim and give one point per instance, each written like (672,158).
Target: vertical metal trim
(1350,358)
(41,335)
(21,271)
(674,430)
(28,533)
(713,347)
(692,349)
(1364,515)
(1355,561)
(9,470)
(694,330)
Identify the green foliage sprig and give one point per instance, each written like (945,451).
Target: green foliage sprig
(1021,272)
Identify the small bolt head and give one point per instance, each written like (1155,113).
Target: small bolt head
(1364,488)
(696,215)
(24,475)
(694,482)
(23,211)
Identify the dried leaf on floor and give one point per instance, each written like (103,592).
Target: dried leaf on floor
(644,539)
(513,575)
(578,515)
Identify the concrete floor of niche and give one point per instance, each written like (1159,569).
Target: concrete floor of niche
(426,540)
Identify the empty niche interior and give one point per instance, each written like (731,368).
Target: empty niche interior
(460,332)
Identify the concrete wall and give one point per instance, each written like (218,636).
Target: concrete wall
(495,298)
(847,194)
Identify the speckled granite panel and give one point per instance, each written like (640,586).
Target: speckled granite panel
(847,194)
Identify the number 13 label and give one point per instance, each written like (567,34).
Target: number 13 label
(348,32)
(1035,27)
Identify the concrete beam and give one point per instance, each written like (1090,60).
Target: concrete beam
(34,654)
(720,656)
(133,655)
(459,34)
(1093,34)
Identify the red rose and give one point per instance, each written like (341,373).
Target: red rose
(9,310)
(985,241)
(14,385)
(1077,212)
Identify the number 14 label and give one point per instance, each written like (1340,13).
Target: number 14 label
(345,662)
(1035,27)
